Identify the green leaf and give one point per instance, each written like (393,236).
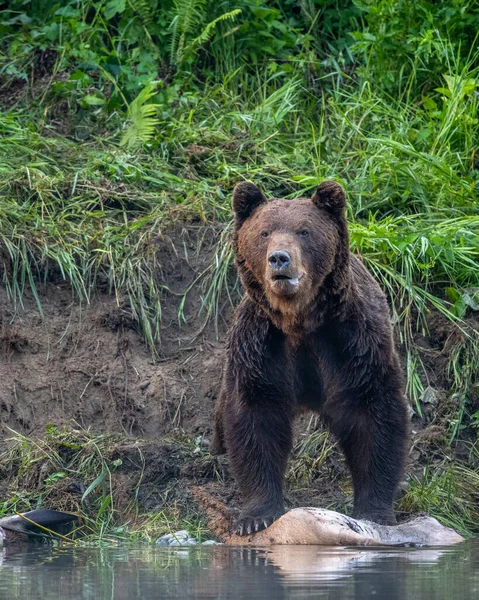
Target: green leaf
(471,298)
(93,100)
(469,86)
(423,134)
(444,91)
(142,118)
(306,180)
(68,11)
(262,12)
(451,82)
(104,505)
(96,483)
(114,7)
(452,294)
(459,305)
(54,477)
(429,103)
(208,31)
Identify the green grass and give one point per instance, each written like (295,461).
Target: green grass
(109,480)
(310,454)
(447,492)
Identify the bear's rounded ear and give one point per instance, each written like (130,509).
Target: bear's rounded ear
(330,196)
(246,197)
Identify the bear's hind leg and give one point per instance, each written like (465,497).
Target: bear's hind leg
(259,440)
(372,436)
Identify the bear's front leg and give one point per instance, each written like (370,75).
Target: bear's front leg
(258,438)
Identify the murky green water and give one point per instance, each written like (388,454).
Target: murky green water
(226,572)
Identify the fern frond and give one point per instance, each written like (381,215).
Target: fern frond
(144,10)
(142,119)
(188,14)
(208,31)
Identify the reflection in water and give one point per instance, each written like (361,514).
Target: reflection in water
(280,572)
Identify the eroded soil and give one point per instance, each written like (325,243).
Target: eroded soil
(88,363)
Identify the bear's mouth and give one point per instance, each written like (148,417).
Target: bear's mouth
(288,278)
(285,285)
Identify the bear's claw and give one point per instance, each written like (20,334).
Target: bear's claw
(249,525)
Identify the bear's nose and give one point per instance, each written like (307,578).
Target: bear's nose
(279,259)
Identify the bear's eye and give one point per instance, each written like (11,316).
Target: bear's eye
(264,234)
(303,233)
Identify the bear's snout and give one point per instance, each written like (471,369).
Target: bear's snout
(284,267)
(279,259)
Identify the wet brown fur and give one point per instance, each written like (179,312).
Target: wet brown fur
(324,344)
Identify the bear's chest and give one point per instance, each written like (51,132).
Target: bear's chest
(316,363)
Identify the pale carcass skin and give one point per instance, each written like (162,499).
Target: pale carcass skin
(322,527)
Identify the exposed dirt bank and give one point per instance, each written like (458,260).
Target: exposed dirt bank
(89,363)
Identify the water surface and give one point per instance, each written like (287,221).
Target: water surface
(280,572)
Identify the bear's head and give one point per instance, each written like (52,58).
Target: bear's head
(287,250)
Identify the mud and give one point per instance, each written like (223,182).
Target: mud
(88,363)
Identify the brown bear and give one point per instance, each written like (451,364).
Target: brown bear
(312,332)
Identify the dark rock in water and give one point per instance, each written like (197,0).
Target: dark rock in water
(318,526)
(20,528)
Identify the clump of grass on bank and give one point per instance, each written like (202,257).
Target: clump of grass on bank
(310,455)
(122,490)
(448,492)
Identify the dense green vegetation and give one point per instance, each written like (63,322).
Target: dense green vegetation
(121,116)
